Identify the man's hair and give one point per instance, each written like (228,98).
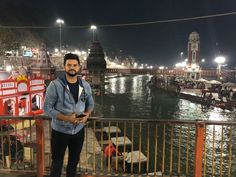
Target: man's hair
(71,56)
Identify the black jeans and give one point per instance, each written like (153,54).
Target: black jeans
(59,143)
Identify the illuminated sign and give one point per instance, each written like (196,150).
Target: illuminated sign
(27,53)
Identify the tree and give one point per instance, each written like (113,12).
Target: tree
(12,39)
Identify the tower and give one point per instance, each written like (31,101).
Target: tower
(96,64)
(43,66)
(193,67)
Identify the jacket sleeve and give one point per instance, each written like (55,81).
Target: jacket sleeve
(89,104)
(51,98)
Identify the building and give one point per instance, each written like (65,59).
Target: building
(43,67)
(96,64)
(193,68)
(20,96)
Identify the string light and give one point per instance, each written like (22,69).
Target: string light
(126,24)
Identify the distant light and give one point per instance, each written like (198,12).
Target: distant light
(8,68)
(27,53)
(220,59)
(183,64)
(60,21)
(93,27)
(186,59)
(151,67)
(56,50)
(181,53)
(203,60)
(161,67)
(77,52)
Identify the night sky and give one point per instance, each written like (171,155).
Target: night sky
(159,44)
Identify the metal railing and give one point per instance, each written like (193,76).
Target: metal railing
(149,147)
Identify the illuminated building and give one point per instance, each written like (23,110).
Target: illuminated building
(193,67)
(20,95)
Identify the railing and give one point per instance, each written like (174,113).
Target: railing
(148,146)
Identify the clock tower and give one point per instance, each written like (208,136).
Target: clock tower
(193,68)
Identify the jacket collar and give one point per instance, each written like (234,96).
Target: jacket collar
(62,80)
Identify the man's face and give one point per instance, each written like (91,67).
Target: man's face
(72,67)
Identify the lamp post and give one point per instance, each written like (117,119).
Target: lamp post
(60,22)
(201,67)
(219,60)
(181,56)
(93,28)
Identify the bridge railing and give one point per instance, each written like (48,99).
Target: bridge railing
(141,146)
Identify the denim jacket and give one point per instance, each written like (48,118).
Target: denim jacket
(58,99)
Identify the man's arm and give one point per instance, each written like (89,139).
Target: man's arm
(51,98)
(89,105)
(68,118)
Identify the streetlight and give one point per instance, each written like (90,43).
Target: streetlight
(219,60)
(181,55)
(201,66)
(60,22)
(93,28)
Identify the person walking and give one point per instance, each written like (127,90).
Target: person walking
(69,103)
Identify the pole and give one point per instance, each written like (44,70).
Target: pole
(219,71)
(40,147)
(199,145)
(60,35)
(93,35)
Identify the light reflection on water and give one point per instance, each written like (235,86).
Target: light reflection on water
(129,97)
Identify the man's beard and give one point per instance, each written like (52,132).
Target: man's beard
(72,74)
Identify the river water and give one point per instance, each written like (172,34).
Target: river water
(129,97)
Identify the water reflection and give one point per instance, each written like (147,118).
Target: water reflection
(128,97)
(131,97)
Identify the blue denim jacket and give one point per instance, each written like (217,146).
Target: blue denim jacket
(58,99)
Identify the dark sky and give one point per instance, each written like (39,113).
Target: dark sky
(154,44)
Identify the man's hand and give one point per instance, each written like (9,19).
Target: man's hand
(84,119)
(72,118)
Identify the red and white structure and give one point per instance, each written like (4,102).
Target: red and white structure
(21,96)
(192,66)
(43,67)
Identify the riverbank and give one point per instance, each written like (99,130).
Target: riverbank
(195,95)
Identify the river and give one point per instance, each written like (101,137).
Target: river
(129,97)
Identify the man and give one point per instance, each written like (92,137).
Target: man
(69,102)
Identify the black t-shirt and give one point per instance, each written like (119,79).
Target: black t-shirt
(74,90)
